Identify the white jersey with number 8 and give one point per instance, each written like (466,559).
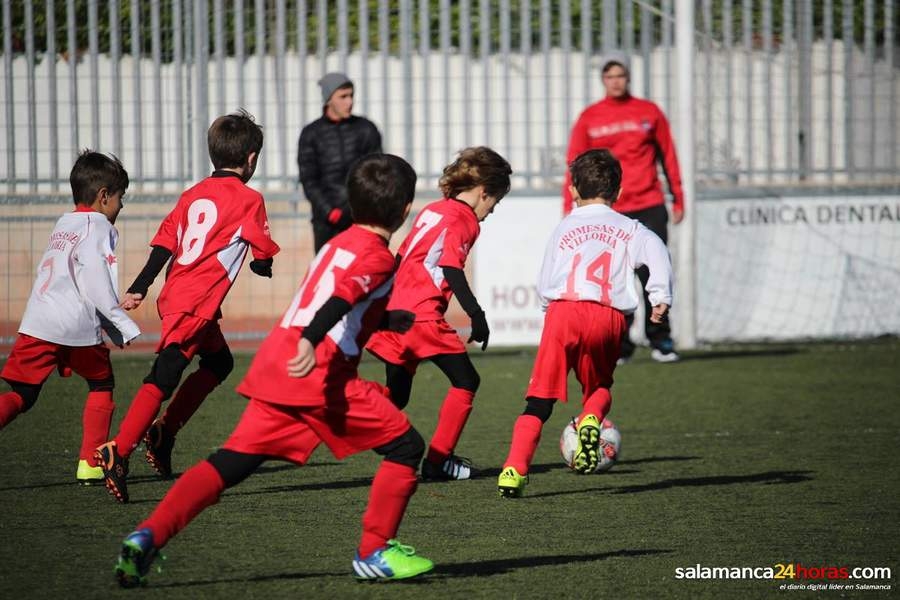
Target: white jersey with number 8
(592,255)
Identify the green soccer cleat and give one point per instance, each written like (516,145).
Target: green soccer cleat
(393,561)
(510,483)
(587,455)
(88,475)
(135,558)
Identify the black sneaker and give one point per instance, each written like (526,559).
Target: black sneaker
(454,468)
(115,470)
(159,443)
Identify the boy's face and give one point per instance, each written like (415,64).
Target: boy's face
(110,204)
(485,206)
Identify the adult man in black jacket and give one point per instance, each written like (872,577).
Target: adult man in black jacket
(327,148)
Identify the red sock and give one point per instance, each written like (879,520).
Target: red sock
(97,415)
(451,420)
(525,438)
(188,399)
(597,404)
(199,487)
(11,404)
(137,420)
(392,488)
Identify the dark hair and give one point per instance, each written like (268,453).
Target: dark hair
(232,138)
(597,174)
(473,167)
(92,172)
(379,187)
(613,63)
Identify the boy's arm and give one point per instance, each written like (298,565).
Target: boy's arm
(136,293)
(97,281)
(456,279)
(255,231)
(649,250)
(325,318)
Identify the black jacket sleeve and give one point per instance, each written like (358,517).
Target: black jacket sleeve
(159,256)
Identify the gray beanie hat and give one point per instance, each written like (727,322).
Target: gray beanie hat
(330,83)
(615,56)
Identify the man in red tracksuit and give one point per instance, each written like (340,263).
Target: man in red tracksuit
(637,133)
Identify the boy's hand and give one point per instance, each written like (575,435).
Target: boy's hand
(400,321)
(262,267)
(480,330)
(131,301)
(305,361)
(658,314)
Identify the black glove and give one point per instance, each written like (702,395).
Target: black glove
(480,330)
(399,321)
(262,267)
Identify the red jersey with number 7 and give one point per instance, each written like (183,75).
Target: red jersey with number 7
(441,236)
(592,255)
(355,265)
(208,232)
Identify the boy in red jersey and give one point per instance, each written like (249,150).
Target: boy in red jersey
(206,236)
(585,284)
(74,296)
(304,388)
(432,258)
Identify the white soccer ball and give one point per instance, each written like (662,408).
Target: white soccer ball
(610,444)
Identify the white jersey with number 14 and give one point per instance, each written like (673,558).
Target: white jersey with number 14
(592,255)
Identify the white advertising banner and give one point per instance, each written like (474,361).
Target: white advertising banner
(766,268)
(798,267)
(508,256)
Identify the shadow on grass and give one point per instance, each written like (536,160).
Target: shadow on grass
(651,459)
(482,568)
(767,478)
(716,354)
(72,483)
(308,487)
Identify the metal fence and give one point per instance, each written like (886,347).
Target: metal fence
(786,90)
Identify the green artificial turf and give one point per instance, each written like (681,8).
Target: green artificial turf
(744,456)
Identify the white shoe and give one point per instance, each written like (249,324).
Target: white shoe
(664,357)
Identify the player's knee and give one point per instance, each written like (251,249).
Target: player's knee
(167,369)
(467,379)
(28,392)
(107,384)
(408,449)
(234,467)
(541,408)
(220,363)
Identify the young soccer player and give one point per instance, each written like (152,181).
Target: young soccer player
(304,388)
(74,296)
(585,282)
(206,236)
(432,258)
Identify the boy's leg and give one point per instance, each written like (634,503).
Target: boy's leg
(29,364)
(527,433)
(399,381)
(18,400)
(93,364)
(394,483)
(452,418)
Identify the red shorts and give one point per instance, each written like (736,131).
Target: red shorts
(424,340)
(584,336)
(32,360)
(194,334)
(361,418)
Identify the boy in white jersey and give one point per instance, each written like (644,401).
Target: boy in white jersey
(74,296)
(586,287)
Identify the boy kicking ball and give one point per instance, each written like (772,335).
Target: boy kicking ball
(585,285)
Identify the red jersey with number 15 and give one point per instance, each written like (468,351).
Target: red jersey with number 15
(355,265)
(441,236)
(208,233)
